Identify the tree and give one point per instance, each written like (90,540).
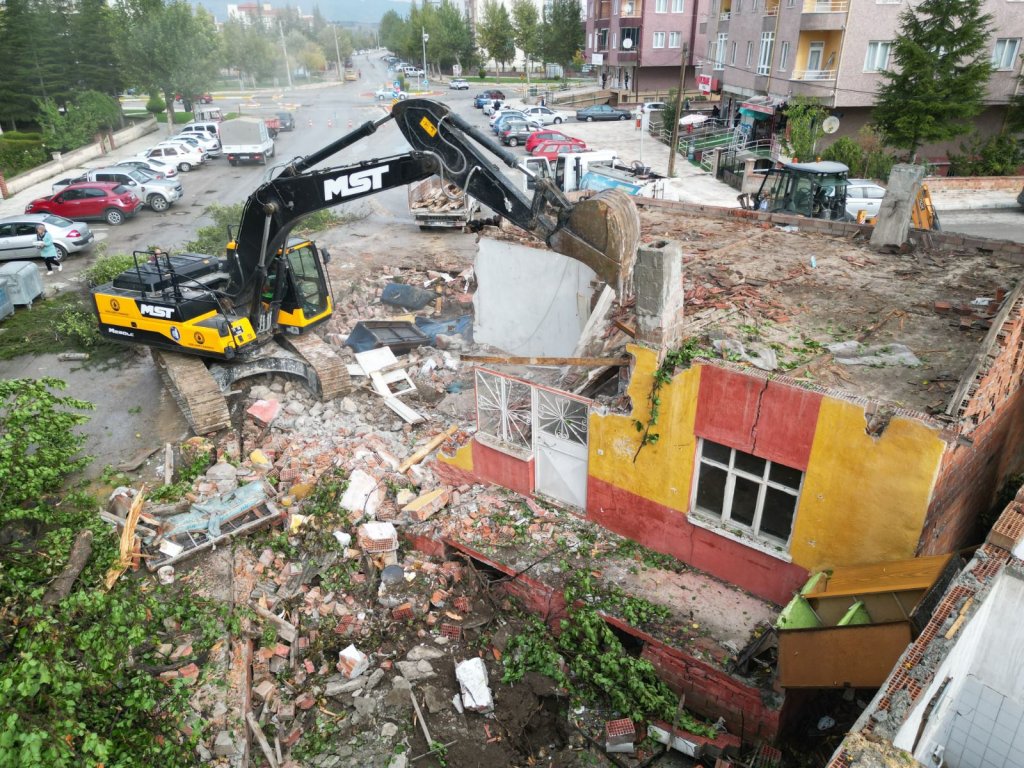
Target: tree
(563,32)
(937,84)
(451,38)
(247,49)
(92,35)
(804,117)
(33,38)
(495,33)
(393,32)
(526,26)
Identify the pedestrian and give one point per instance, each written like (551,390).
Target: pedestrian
(716,112)
(627,81)
(44,242)
(686,105)
(604,79)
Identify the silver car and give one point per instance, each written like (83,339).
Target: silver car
(159,169)
(863,195)
(18,235)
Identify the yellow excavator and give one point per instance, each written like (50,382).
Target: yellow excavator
(211,321)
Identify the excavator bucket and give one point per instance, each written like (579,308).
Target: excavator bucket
(603,232)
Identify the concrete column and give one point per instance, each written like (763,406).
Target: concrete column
(658,284)
(893,225)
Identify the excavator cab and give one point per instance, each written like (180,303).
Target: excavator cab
(296,293)
(816,190)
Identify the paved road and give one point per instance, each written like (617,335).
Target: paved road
(998,224)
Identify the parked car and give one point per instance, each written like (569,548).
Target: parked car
(158,194)
(158,168)
(18,235)
(863,195)
(504,120)
(1020,199)
(552,149)
(203,98)
(648,107)
(503,113)
(458,84)
(547,134)
(287,121)
(514,132)
(90,200)
(484,97)
(602,112)
(184,156)
(390,94)
(546,115)
(209,146)
(203,128)
(490,109)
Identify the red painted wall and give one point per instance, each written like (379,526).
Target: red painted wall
(665,530)
(767,418)
(492,466)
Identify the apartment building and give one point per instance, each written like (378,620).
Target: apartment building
(765,52)
(637,46)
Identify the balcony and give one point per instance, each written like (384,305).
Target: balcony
(604,9)
(826,6)
(632,9)
(725,16)
(814,74)
(824,15)
(771,8)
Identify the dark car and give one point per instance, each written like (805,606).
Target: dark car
(602,112)
(287,121)
(112,203)
(487,96)
(515,132)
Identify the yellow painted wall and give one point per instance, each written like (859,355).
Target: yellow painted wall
(663,471)
(864,498)
(833,41)
(462,458)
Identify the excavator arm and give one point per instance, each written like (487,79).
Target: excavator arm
(602,232)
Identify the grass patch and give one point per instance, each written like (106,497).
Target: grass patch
(64,323)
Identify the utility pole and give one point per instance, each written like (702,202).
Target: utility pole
(284,50)
(337,51)
(673,148)
(425,38)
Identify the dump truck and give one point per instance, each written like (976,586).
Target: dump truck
(438,204)
(246,140)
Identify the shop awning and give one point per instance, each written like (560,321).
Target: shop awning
(755,114)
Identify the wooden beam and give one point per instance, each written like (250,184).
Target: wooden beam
(423,452)
(261,739)
(592,362)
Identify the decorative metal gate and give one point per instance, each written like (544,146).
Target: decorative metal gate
(560,446)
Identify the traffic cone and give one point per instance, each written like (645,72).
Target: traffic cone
(350,123)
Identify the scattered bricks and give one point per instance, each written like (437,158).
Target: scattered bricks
(286,710)
(288,739)
(264,691)
(437,599)
(431,619)
(189,673)
(164,650)
(452,570)
(352,662)
(402,612)
(309,666)
(461,604)
(451,631)
(267,558)
(305,701)
(375,538)
(966,323)
(282,650)
(619,735)
(943,307)
(264,411)
(424,506)
(170,674)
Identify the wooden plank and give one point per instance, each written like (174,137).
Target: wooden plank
(261,739)
(513,360)
(861,656)
(896,576)
(423,452)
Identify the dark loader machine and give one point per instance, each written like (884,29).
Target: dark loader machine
(211,321)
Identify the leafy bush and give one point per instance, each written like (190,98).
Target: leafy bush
(845,151)
(180,117)
(481,73)
(1000,155)
(213,238)
(155,105)
(18,155)
(106,268)
(77,324)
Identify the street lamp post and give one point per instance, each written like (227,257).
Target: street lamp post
(337,53)
(425,38)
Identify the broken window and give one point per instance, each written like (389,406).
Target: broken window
(504,409)
(746,493)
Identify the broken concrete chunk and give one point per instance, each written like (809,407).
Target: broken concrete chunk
(404,496)
(264,690)
(472,677)
(264,411)
(415,670)
(362,495)
(399,761)
(388,731)
(224,745)
(365,705)
(427,504)
(352,662)
(338,687)
(375,538)
(457,703)
(421,652)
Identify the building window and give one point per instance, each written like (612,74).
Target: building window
(732,54)
(632,34)
(720,49)
(738,7)
(615,40)
(677,6)
(602,39)
(764,57)
(659,40)
(661,6)
(590,40)
(750,54)
(784,56)
(504,410)
(615,7)
(746,493)
(1004,55)
(877,57)
(674,39)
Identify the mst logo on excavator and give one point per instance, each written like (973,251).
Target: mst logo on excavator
(355,183)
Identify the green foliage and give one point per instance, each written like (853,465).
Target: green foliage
(38,442)
(495,33)
(186,476)
(936,83)
(526,26)
(17,155)
(62,131)
(213,238)
(98,110)
(668,114)
(563,32)
(1000,155)
(804,117)
(845,151)
(106,268)
(677,358)
(77,324)
(155,105)
(180,118)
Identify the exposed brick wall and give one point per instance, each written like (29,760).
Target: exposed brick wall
(989,446)
(747,710)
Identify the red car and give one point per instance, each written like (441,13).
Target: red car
(552,149)
(538,137)
(110,202)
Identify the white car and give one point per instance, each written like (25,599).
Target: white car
(489,106)
(184,156)
(158,168)
(208,145)
(863,195)
(546,115)
(648,107)
(458,84)
(390,94)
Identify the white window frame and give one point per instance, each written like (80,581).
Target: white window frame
(719,58)
(504,411)
(874,50)
(764,54)
(675,39)
(661,6)
(999,57)
(784,55)
(590,41)
(750,54)
(655,38)
(678,6)
(723,518)
(615,7)
(615,41)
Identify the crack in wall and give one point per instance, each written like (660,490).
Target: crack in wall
(757,417)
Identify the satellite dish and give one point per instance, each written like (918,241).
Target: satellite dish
(830,124)
(627,43)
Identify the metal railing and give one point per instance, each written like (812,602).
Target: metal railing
(814,74)
(826,6)
(725,16)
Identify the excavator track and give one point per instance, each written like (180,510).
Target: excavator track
(195,390)
(332,378)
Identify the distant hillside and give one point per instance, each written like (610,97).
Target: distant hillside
(358,11)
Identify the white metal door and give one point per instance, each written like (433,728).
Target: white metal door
(560,446)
